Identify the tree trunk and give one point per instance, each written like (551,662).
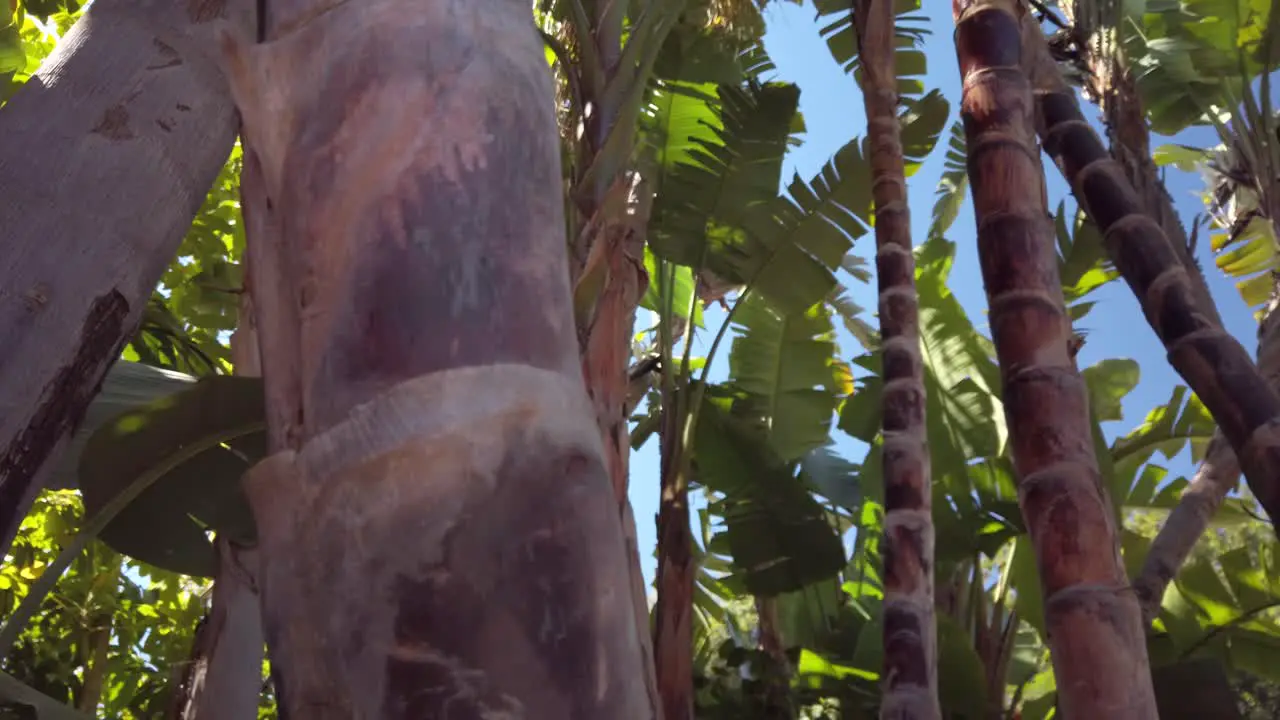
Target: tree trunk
(613,240)
(1115,89)
(105,156)
(223,680)
(438,501)
(1213,363)
(673,611)
(1095,634)
(910,630)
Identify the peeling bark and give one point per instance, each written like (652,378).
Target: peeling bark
(439,499)
(130,119)
(1095,634)
(910,629)
(1212,362)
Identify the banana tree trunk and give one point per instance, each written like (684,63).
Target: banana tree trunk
(438,501)
(910,629)
(105,155)
(611,246)
(1212,362)
(1095,634)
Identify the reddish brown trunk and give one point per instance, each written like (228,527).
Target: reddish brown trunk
(1212,362)
(910,644)
(105,156)
(439,502)
(1095,633)
(673,613)
(614,242)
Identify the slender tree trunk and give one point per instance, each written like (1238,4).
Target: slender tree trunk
(1213,363)
(439,501)
(910,670)
(673,611)
(223,680)
(612,244)
(1095,634)
(105,156)
(910,634)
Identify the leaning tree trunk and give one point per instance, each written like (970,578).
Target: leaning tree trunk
(1113,85)
(438,500)
(1095,634)
(105,156)
(223,678)
(1212,362)
(910,631)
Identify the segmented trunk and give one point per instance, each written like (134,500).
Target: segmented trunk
(1215,477)
(438,501)
(1095,633)
(1115,87)
(1213,363)
(910,634)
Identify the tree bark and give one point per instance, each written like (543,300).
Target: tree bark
(673,611)
(1213,363)
(613,240)
(223,679)
(438,501)
(1095,634)
(910,629)
(1115,89)
(105,156)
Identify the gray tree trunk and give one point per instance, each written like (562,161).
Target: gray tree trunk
(105,157)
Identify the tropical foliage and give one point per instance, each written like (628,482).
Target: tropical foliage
(756,372)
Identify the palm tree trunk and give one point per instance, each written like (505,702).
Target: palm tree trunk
(1213,363)
(1095,634)
(438,501)
(910,629)
(130,120)
(1115,88)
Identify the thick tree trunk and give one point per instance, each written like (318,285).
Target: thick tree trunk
(1213,363)
(105,156)
(1095,634)
(439,501)
(910,630)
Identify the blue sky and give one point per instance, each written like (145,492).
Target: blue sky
(833,113)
